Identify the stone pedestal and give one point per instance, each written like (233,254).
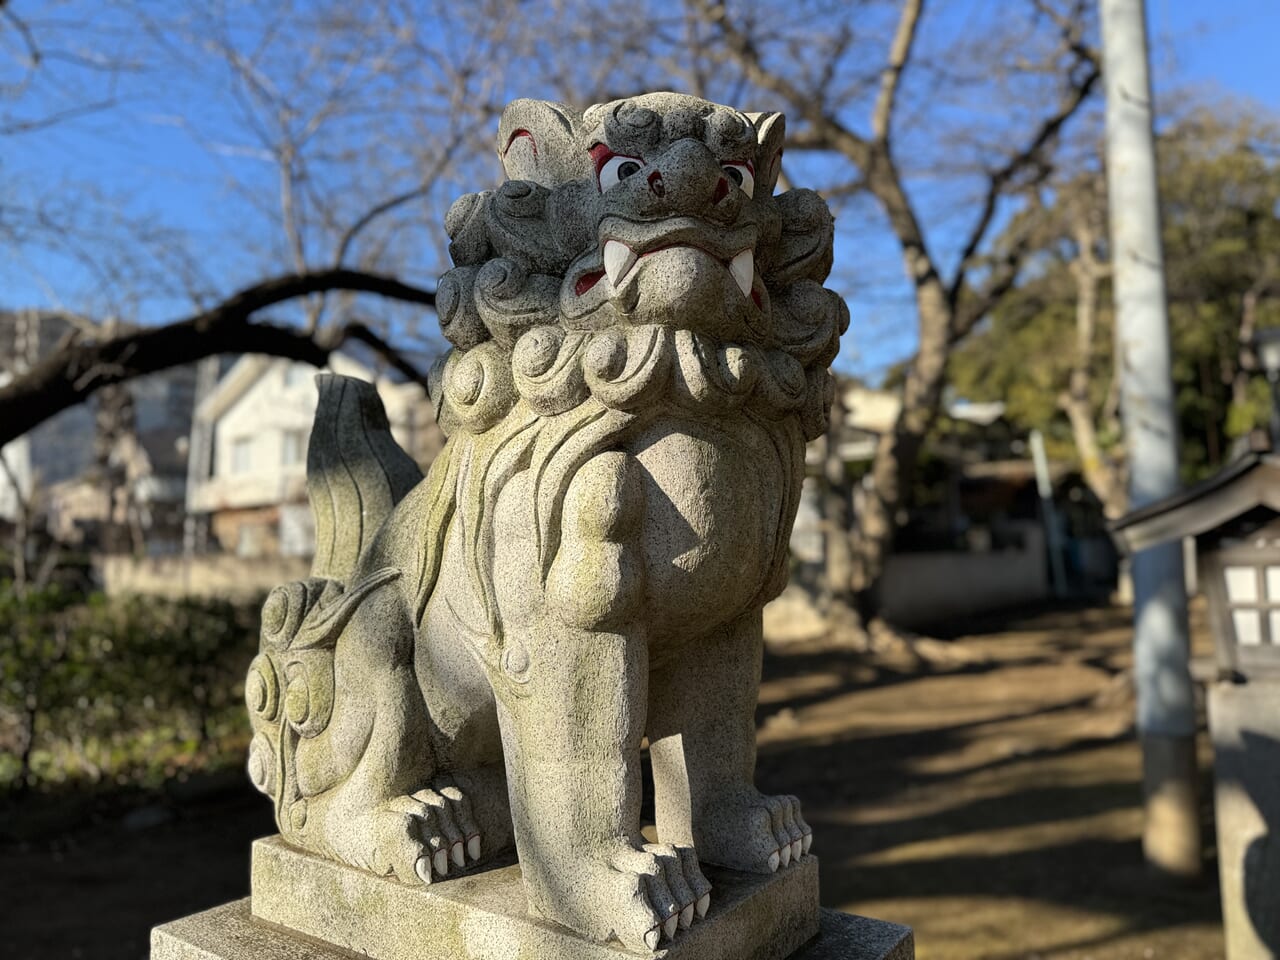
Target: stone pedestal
(307,908)
(1244,720)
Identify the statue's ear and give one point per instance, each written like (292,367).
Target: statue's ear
(770,130)
(536,142)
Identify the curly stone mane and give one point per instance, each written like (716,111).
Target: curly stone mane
(554,357)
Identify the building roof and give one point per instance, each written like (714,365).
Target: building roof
(876,411)
(1251,481)
(249,369)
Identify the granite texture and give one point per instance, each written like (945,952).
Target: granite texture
(230,932)
(484,915)
(640,349)
(1244,721)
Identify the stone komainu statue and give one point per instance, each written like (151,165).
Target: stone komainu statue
(640,349)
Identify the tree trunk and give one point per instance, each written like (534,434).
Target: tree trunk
(893,469)
(1104,477)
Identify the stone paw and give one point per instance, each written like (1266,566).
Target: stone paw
(756,833)
(640,896)
(406,837)
(448,833)
(690,888)
(668,883)
(454,798)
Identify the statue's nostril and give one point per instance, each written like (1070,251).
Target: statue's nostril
(656,185)
(722,191)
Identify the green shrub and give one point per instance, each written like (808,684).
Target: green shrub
(128,690)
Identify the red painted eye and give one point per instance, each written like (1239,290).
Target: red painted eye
(743,175)
(613,167)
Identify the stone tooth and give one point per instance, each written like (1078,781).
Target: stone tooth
(743,268)
(618,259)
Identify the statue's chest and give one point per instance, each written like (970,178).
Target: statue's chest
(715,513)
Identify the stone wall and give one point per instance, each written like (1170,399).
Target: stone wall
(922,589)
(220,575)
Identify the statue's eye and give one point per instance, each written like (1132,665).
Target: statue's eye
(615,169)
(611,167)
(742,175)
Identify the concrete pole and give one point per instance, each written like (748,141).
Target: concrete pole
(1166,706)
(1049,515)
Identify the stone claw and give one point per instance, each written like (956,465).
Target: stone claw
(423,869)
(458,855)
(703,904)
(686,917)
(774,860)
(473,847)
(670,925)
(441,860)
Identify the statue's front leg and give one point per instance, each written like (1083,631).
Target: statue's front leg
(702,740)
(571,739)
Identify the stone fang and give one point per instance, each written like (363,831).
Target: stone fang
(618,259)
(743,268)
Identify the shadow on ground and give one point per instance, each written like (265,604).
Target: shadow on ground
(994,806)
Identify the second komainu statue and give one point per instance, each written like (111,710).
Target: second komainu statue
(640,349)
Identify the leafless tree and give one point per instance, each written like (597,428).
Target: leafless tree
(1102,465)
(347,130)
(1037,66)
(366,119)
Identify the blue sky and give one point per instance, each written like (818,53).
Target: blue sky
(1227,45)
(159,169)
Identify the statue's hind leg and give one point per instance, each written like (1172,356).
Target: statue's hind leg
(342,736)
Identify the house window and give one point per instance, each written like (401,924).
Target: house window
(293,448)
(1253,595)
(241,454)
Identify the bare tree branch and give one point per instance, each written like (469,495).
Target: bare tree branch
(1001,179)
(899,52)
(70,375)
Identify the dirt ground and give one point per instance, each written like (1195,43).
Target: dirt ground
(992,804)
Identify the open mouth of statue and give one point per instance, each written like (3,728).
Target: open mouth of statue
(626,243)
(620,260)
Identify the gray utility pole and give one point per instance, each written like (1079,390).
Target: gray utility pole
(1049,515)
(1161,645)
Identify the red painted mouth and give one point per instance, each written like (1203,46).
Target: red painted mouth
(587,281)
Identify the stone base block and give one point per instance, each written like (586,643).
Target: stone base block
(1244,720)
(307,908)
(484,915)
(230,932)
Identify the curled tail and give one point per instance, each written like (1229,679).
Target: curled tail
(356,473)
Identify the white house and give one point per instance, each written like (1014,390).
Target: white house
(249,450)
(92,471)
